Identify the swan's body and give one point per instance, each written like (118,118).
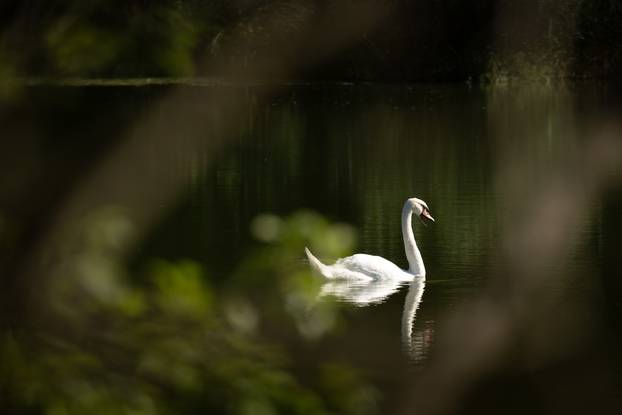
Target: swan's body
(372,267)
(360,267)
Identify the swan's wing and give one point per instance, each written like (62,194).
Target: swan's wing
(372,266)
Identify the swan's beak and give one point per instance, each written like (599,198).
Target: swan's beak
(426,215)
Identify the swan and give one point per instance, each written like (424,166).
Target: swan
(373,268)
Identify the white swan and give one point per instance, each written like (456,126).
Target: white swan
(372,267)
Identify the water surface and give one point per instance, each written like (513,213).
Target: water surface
(479,157)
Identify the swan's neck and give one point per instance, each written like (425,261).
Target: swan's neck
(415,262)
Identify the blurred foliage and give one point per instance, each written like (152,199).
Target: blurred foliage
(113,39)
(104,341)
(80,48)
(492,40)
(533,42)
(296,291)
(341,382)
(8,88)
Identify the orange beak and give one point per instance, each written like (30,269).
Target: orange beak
(426,214)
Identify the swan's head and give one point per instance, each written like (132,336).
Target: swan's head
(420,208)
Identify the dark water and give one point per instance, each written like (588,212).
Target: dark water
(489,163)
(354,154)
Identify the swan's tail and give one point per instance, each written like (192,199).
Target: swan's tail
(317,265)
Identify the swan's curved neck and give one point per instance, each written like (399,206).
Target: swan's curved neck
(415,261)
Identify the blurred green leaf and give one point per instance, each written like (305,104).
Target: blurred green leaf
(349,394)
(181,288)
(128,347)
(80,48)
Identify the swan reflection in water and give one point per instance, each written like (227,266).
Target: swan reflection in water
(359,292)
(365,293)
(364,279)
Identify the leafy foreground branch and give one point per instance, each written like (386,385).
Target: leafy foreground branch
(105,341)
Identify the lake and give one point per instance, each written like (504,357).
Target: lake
(218,187)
